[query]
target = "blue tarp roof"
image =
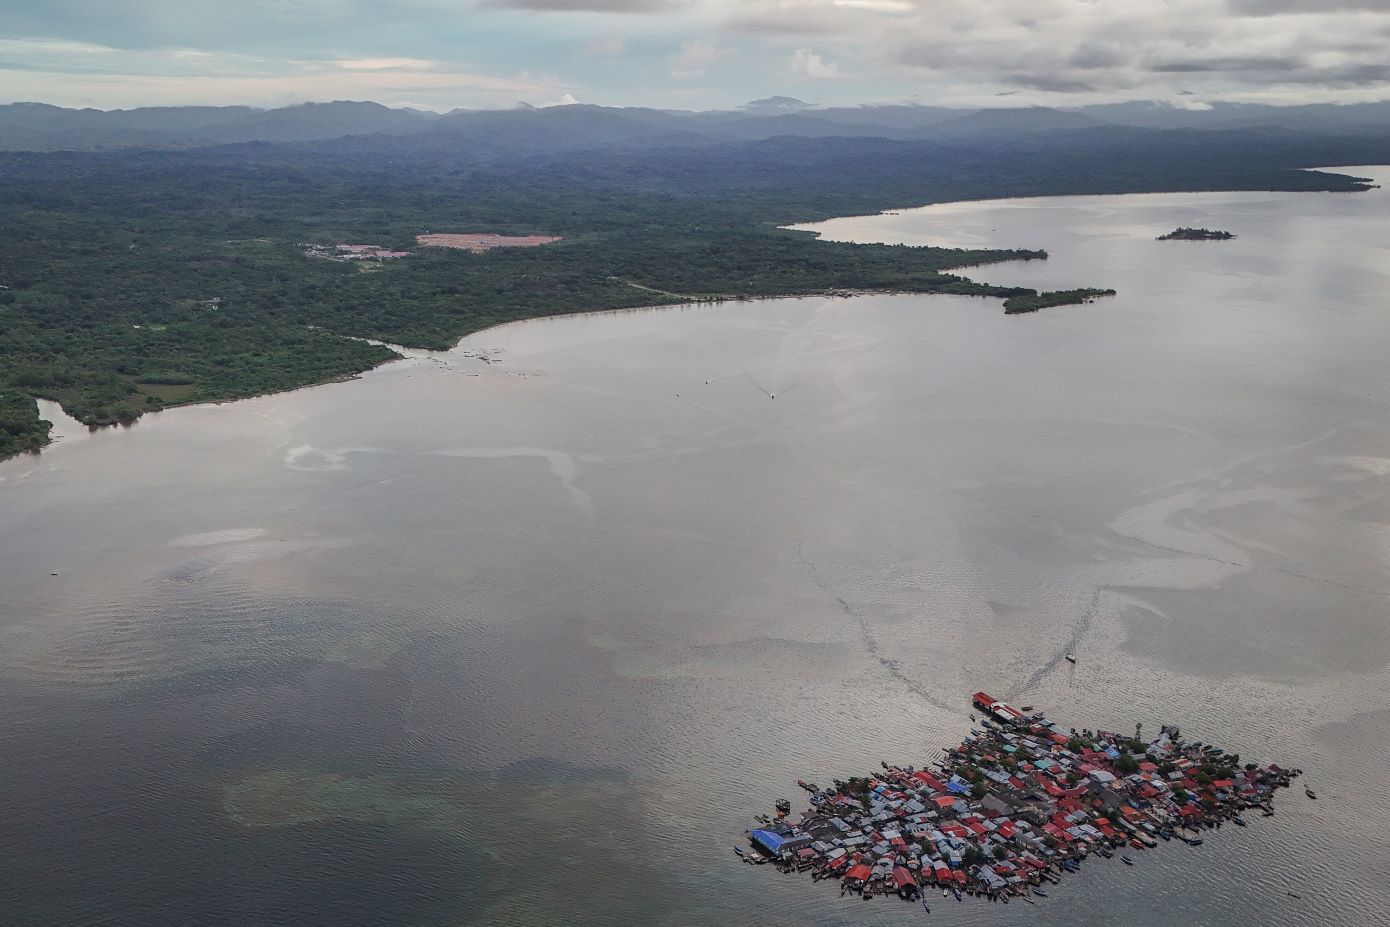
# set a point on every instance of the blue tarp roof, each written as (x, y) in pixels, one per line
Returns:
(769, 841)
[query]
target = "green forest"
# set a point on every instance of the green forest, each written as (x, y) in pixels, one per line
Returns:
(137, 280)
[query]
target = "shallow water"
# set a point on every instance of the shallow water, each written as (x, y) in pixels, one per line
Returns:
(527, 638)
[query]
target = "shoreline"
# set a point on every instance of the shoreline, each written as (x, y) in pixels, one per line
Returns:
(51, 442)
(1369, 184)
(845, 293)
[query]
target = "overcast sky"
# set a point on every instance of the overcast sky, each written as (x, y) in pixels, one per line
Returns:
(440, 54)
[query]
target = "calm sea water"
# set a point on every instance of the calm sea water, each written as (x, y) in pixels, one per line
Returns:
(527, 637)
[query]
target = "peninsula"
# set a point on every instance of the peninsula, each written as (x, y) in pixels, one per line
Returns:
(1019, 802)
(1032, 302)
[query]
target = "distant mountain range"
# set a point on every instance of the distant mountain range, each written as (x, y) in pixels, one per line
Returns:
(41, 127)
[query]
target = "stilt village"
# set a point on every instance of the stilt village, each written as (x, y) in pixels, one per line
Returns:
(1019, 803)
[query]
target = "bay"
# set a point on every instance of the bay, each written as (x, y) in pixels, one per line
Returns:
(525, 632)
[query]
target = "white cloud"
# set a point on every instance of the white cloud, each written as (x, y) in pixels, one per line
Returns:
(806, 63)
(385, 64)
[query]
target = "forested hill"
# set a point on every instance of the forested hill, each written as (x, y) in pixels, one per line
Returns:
(137, 278)
(39, 127)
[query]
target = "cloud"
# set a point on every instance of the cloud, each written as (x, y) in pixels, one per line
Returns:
(87, 74)
(878, 6)
(693, 58)
(1277, 7)
(1058, 52)
(1207, 65)
(806, 63)
(384, 64)
(1092, 50)
(586, 6)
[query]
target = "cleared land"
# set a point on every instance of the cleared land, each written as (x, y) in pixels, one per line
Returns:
(478, 243)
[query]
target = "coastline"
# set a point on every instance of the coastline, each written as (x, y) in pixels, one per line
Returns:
(1367, 184)
(676, 300)
(407, 352)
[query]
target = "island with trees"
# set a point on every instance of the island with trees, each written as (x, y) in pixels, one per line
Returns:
(1187, 234)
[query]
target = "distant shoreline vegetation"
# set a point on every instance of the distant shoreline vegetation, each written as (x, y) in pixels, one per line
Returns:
(1186, 234)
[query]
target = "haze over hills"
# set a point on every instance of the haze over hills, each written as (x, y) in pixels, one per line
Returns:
(41, 127)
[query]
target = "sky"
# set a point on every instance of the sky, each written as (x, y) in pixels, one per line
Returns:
(691, 54)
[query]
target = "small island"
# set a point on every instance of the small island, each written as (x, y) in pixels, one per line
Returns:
(1186, 234)
(1016, 806)
(1032, 302)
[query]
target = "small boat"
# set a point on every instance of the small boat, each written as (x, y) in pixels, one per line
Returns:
(1267, 813)
(1293, 894)
(738, 851)
(1126, 860)
(1071, 658)
(926, 907)
(1237, 820)
(1309, 793)
(957, 892)
(1040, 893)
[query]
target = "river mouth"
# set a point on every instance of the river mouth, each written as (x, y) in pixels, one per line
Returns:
(535, 635)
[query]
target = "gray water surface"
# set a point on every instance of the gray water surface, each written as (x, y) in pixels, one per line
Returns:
(525, 632)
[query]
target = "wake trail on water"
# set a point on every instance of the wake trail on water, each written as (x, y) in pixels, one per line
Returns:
(870, 643)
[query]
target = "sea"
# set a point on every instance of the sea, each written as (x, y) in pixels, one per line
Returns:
(526, 632)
